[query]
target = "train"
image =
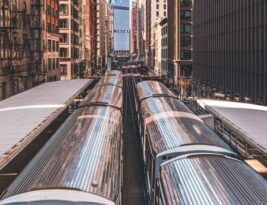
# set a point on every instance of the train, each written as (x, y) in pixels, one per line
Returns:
(82, 162)
(185, 162)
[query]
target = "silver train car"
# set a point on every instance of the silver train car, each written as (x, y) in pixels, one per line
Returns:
(168, 130)
(209, 179)
(82, 162)
(111, 77)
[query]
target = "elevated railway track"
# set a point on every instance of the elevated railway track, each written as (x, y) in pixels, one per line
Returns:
(133, 192)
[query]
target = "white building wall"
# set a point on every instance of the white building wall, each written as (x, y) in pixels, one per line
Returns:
(158, 12)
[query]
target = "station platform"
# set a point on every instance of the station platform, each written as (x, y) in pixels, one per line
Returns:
(27, 120)
(243, 125)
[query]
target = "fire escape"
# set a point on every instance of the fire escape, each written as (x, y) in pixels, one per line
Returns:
(11, 50)
(36, 46)
(21, 50)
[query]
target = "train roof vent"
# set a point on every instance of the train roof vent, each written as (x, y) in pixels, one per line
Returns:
(95, 183)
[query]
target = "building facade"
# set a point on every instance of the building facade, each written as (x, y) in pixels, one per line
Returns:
(86, 37)
(133, 29)
(93, 34)
(109, 32)
(140, 29)
(27, 29)
(69, 28)
(147, 29)
(158, 11)
(100, 33)
(180, 45)
(51, 38)
(230, 56)
(157, 37)
(121, 9)
(111, 27)
(164, 49)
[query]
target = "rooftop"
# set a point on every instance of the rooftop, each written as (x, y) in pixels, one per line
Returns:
(247, 119)
(24, 116)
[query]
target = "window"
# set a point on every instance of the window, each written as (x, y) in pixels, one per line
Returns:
(53, 46)
(2, 45)
(53, 64)
(186, 2)
(49, 45)
(64, 38)
(57, 63)
(49, 64)
(63, 23)
(48, 10)
(186, 28)
(63, 52)
(186, 14)
(186, 41)
(16, 86)
(57, 46)
(4, 90)
(63, 9)
(186, 55)
(63, 69)
(186, 71)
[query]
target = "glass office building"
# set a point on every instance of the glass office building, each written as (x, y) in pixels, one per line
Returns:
(121, 25)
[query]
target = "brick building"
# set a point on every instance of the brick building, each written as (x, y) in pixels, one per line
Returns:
(69, 27)
(25, 28)
(51, 39)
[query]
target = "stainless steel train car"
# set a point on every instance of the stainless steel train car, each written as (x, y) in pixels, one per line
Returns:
(209, 179)
(111, 77)
(169, 129)
(113, 72)
(82, 162)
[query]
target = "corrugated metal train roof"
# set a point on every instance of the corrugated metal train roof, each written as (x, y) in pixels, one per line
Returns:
(84, 154)
(111, 80)
(171, 124)
(148, 89)
(213, 180)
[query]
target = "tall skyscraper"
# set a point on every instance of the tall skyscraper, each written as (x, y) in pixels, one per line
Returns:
(121, 25)
(133, 27)
(140, 29)
(230, 56)
(180, 44)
